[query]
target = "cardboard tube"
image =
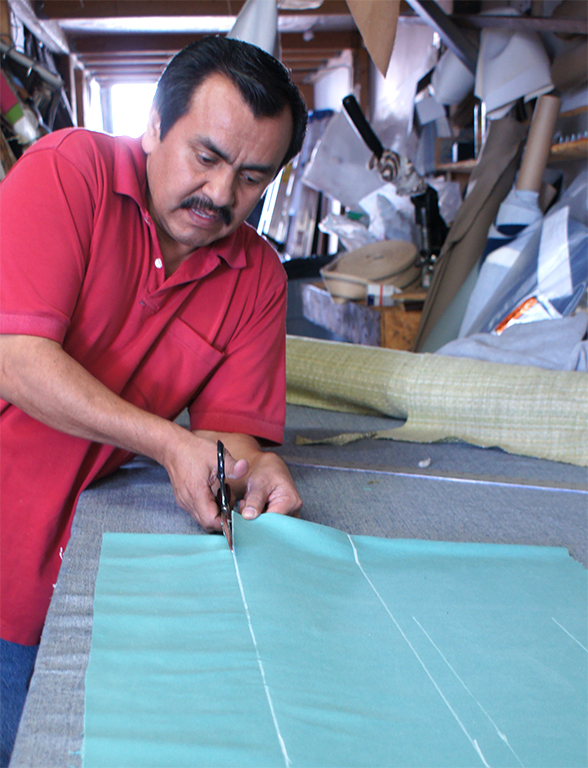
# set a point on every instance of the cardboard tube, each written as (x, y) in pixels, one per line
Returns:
(538, 143)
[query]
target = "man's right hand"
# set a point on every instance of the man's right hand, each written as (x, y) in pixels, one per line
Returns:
(192, 467)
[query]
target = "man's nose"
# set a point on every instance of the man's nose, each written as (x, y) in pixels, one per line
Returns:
(220, 186)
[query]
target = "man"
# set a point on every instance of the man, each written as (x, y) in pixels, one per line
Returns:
(131, 289)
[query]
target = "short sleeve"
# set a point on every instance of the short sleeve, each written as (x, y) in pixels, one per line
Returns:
(46, 213)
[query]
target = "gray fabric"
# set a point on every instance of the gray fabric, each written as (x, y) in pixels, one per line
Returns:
(370, 487)
(438, 509)
(555, 344)
(446, 459)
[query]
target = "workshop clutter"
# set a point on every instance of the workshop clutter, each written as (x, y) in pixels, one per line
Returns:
(390, 263)
(544, 270)
(495, 250)
(33, 101)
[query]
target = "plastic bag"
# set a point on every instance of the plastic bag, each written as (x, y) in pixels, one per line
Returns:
(449, 196)
(391, 215)
(548, 278)
(352, 234)
(518, 271)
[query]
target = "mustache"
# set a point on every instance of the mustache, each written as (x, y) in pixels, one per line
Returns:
(205, 204)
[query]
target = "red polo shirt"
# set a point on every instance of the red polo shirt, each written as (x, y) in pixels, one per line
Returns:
(81, 264)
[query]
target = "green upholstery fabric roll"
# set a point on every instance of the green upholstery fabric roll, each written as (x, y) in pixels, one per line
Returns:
(521, 409)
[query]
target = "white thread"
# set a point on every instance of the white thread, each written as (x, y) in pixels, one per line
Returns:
(570, 635)
(260, 664)
(496, 728)
(472, 741)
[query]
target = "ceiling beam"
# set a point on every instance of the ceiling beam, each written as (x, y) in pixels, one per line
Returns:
(96, 9)
(570, 26)
(109, 43)
(94, 65)
(48, 32)
(128, 72)
(119, 58)
(128, 43)
(147, 57)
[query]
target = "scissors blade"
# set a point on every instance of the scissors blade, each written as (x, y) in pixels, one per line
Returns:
(227, 529)
(223, 496)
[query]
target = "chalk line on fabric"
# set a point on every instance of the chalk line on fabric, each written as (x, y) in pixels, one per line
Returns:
(260, 664)
(495, 726)
(472, 741)
(570, 634)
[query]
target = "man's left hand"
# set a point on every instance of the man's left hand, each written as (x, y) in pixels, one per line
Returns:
(268, 485)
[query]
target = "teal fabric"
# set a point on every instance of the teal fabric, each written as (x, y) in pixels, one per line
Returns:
(314, 648)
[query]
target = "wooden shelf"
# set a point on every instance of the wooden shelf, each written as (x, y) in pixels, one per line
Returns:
(570, 150)
(463, 166)
(567, 150)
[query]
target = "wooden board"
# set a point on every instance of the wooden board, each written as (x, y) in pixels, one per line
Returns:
(398, 326)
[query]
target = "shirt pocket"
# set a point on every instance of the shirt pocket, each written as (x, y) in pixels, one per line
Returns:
(172, 371)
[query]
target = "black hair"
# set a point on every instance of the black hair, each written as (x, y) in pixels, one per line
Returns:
(262, 80)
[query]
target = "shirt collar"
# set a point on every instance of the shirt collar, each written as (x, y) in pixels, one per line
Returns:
(231, 249)
(130, 174)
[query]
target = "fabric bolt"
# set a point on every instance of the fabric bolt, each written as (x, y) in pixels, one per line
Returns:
(161, 344)
(521, 409)
(311, 647)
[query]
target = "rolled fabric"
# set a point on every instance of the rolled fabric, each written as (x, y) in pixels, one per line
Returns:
(521, 409)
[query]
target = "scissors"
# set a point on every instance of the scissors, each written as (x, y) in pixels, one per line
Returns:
(223, 496)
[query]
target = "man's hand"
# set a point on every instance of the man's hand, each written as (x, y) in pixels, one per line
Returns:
(270, 488)
(265, 486)
(192, 467)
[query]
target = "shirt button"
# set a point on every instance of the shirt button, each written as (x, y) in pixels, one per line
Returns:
(158, 263)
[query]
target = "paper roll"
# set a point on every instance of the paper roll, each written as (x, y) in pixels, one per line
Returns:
(538, 143)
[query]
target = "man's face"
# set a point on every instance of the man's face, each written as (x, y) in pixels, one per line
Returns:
(212, 167)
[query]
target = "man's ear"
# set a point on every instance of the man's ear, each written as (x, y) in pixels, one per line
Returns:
(150, 138)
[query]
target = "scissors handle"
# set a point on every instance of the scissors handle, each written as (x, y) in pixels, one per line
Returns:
(223, 494)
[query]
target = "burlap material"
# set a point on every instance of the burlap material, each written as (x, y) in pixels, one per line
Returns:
(521, 409)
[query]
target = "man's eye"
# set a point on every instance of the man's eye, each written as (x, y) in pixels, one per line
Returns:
(253, 180)
(206, 159)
